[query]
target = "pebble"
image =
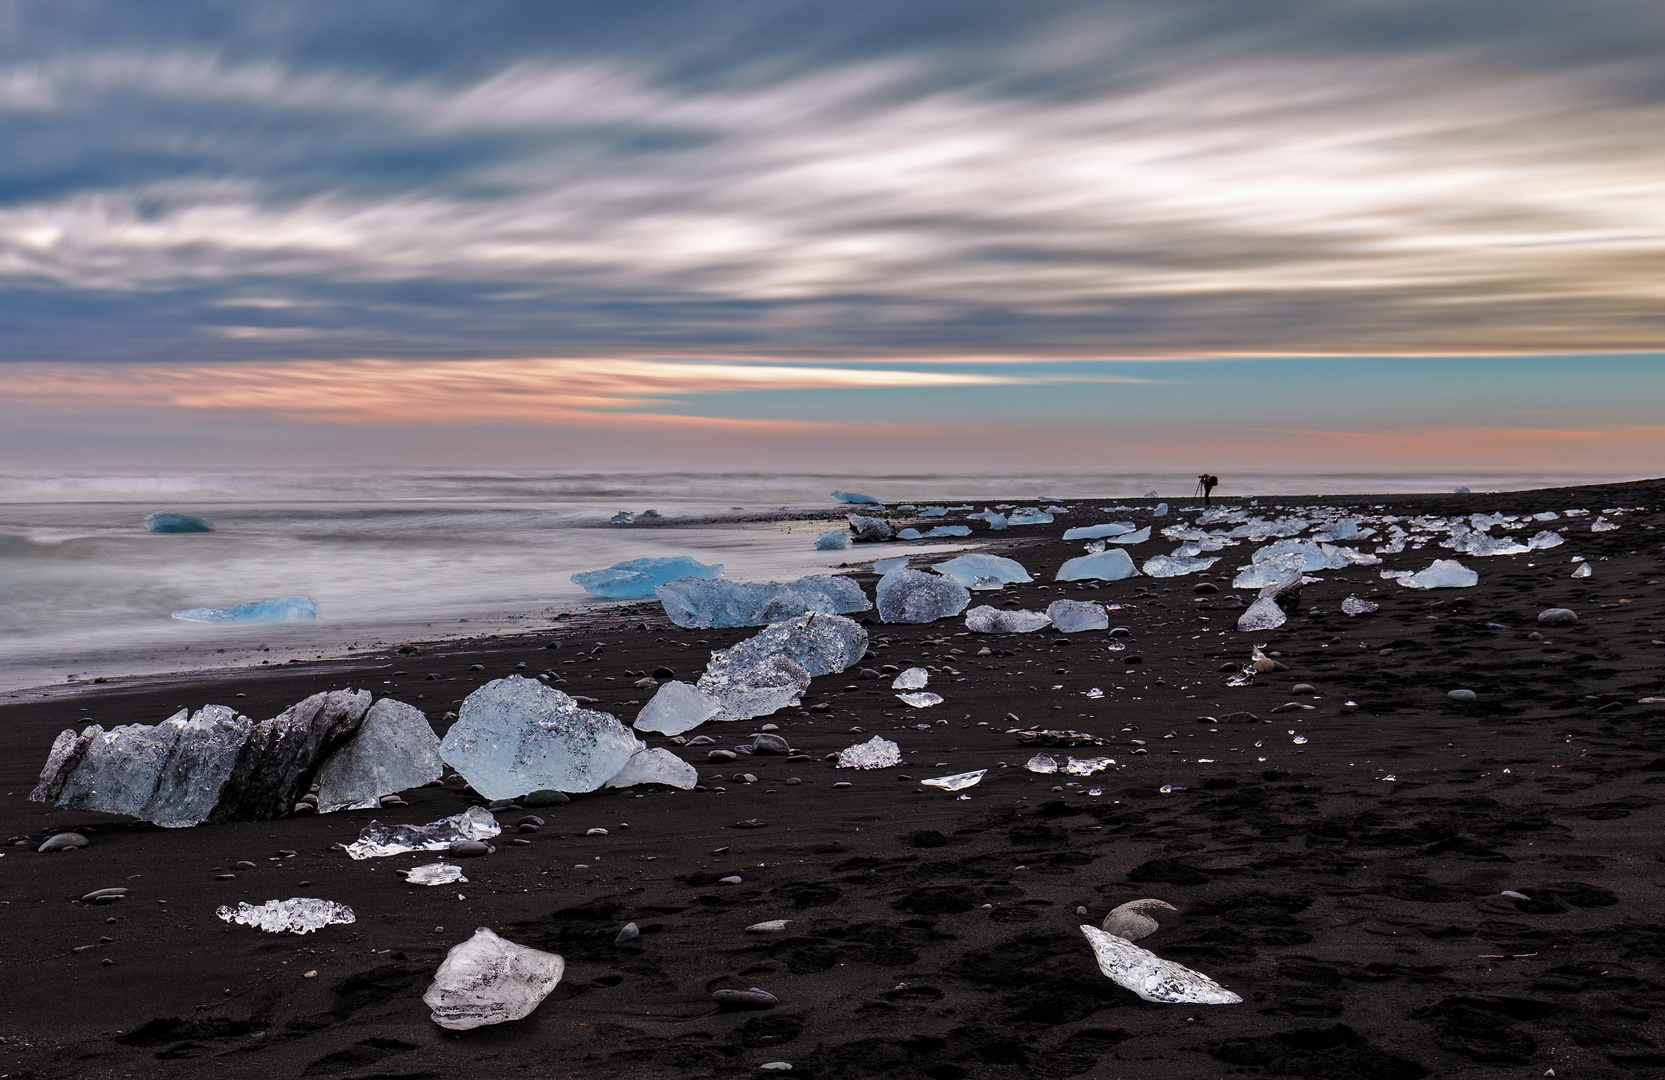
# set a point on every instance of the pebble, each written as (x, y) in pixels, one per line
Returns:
(768, 743)
(792, 781)
(732, 879)
(630, 932)
(1301, 689)
(1464, 696)
(773, 926)
(393, 800)
(701, 740)
(225, 877)
(745, 999)
(750, 823)
(769, 727)
(1240, 718)
(1207, 588)
(530, 819)
(662, 672)
(545, 797)
(783, 1066)
(476, 667)
(1557, 616)
(867, 673)
(842, 784)
(468, 849)
(528, 828)
(244, 865)
(104, 896)
(1120, 631)
(820, 706)
(64, 841)
(721, 755)
(596, 832)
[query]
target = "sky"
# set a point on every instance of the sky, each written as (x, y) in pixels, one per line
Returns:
(1190, 234)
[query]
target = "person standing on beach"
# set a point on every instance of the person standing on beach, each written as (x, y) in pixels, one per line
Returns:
(1207, 481)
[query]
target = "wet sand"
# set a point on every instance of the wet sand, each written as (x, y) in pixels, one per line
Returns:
(1348, 887)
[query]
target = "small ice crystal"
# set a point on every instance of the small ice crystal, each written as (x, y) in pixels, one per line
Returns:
(1088, 766)
(957, 782)
(914, 678)
(1041, 763)
(875, 753)
(435, 873)
(376, 839)
(921, 700)
(1354, 606)
(297, 915)
(1583, 570)
(993, 620)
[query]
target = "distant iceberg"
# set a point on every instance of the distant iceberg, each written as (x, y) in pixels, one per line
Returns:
(162, 522)
(635, 579)
(852, 497)
(278, 609)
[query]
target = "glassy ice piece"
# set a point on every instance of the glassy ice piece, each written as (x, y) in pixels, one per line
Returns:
(986, 584)
(852, 497)
(1150, 494)
(677, 707)
(516, 735)
(1098, 532)
(163, 522)
(923, 699)
(623, 517)
(885, 566)
(1095, 693)
(394, 749)
(1102, 566)
(634, 579)
(1276, 569)
(1028, 515)
(655, 766)
(297, 915)
(376, 840)
(837, 540)
(1442, 574)
(909, 534)
(724, 603)
(751, 686)
(1545, 539)
(957, 782)
(1547, 515)
(913, 596)
(1150, 976)
(966, 569)
(1138, 536)
(487, 980)
(950, 530)
(1354, 606)
(1041, 763)
(996, 521)
(993, 620)
(1263, 614)
(1088, 766)
(1096, 546)
(1601, 524)
(1175, 566)
(1583, 570)
(875, 753)
(279, 609)
(435, 873)
(870, 529)
(1160, 511)
(914, 678)
(934, 511)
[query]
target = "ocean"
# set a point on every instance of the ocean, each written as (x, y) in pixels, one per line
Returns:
(391, 556)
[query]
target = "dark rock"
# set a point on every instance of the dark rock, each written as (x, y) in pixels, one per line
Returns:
(545, 798)
(662, 673)
(721, 755)
(769, 744)
(468, 849)
(1240, 718)
(744, 999)
(867, 673)
(64, 841)
(1206, 588)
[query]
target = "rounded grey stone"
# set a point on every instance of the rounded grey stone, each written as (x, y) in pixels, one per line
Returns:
(1464, 696)
(745, 999)
(545, 798)
(1557, 616)
(468, 849)
(64, 841)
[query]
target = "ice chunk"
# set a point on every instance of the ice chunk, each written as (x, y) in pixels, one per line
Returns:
(1472, 542)
(852, 497)
(1138, 536)
(376, 840)
(1175, 566)
(163, 522)
(1041, 763)
(957, 782)
(1098, 532)
(1263, 614)
(837, 540)
(751, 685)
(966, 569)
(1088, 766)
(921, 700)
(297, 915)
(434, 873)
(914, 678)
(677, 707)
(885, 566)
(1275, 570)
(870, 529)
(722, 603)
(1150, 976)
(875, 753)
(1160, 511)
(910, 534)
(996, 521)
(1354, 606)
(623, 517)
(993, 620)
(934, 511)
(279, 609)
(1150, 494)
(1545, 539)
(487, 980)
(655, 766)
(516, 735)
(912, 596)
(1583, 570)
(394, 749)
(950, 530)
(635, 578)
(1442, 574)
(1601, 524)
(818, 644)
(1028, 515)
(1102, 566)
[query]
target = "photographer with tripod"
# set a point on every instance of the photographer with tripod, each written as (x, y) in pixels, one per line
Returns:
(1205, 486)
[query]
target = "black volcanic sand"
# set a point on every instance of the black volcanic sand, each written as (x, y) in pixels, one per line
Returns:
(1358, 915)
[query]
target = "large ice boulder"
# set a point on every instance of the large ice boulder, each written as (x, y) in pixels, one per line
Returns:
(677, 707)
(487, 980)
(394, 749)
(722, 603)
(913, 596)
(1074, 616)
(977, 566)
(993, 620)
(516, 735)
(163, 522)
(279, 609)
(1099, 566)
(634, 579)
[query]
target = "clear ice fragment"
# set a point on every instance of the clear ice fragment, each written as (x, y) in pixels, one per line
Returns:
(1150, 976)
(993, 620)
(1138, 536)
(923, 699)
(967, 569)
(914, 678)
(487, 980)
(913, 596)
(1098, 532)
(1583, 570)
(394, 749)
(769, 670)
(1442, 574)
(957, 782)
(875, 753)
(1029, 515)
(1545, 539)
(1601, 524)
(1263, 614)
(1102, 566)
(1041, 763)
(677, 707)
(1075, 616)
(690, 602)
(277, 610)
(996, 521)
(1354, 606)
(885, 566)
(635, 578)
(435, 873)
(297, 915)
(376, 840)
(1175, 566)
(516, 735)
(1088, 766)
(655, 766)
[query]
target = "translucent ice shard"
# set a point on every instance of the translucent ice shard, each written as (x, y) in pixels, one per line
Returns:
(1273, 570)
(1175, 566)
(1103, 566)
(435, 873)
(276, 610)
(875, 753)
(910, 534)
(487, 980)
(1074, 616)
(870, 529)
(923, 699)
(1150, 976)
(635, 578)
(1545, 539)
(297, 915)
(1354, 606)
(993, 620)
(1442, 574)
(1029, 515)
(655, 766)
(376, 840)
(966, 569)
(1601, 524)
(1160, 511)
(1041, 763)
(516, 735)
(753, 686)
(1138, 536)
(885, 566)
(163, 522)
(914, 678)
(852, 497)
(957, 782)
(1263, 614)
(996, 521)
(1098, 532)
(1088, 766)
(677, 707)
(950, 530)
(837, 540)
(721, 603)
(912, 596)
(394, 749)
(1583, 570)
(772, 669)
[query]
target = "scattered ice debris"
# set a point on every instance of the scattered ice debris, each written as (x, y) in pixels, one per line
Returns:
(836, 540)
(1267, 612)
(1160, 511)
(1175, 566)
(1275, 569)
(297, 915)
(996, 521)
(1055, 737)
(853, 497)
(1150, 976)
(1029, 515)
(1354, 606)
(957, 782)
(1133, 920)
(635, 578)
(277, 610)
(1095, 693)
(1442, 574)
(977, 566)
(875, 753)
(623, 517)
(487, 980)
(516, 735)
(1088, 766)
(1582, 571)
(993, 620)
(394, 749)
(913, 596)
(870, 529)
(376, 840)
(677, 707)
(1138, 536)
(1098, 532)
(655, 766)
(923, 699)
(1075, 616)
(690, 602)
(1041, 763)
(435, 873)
(914, 678)
(885, 566)
(1102, 566)
(164, 522)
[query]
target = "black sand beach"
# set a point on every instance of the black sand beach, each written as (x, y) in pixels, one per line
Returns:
(1348, 887)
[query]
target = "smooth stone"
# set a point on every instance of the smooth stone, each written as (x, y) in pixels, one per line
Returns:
(792, 781)
(244, 865)
(468, 849)
(745, 999)
(225, 877)
(701, 740)
(1206, 588)
(630, 932)
(721, 755)
(750, 823)
(770, 744)
(662, 673)
(530, 819)
(104, 896)
(1303, 689)
(843, 784)
(596, 832)
(64, 841)
(1463, 696)
(867, 673)
(773, 926)
(545, 798)
(1557, 616)
(732, 879)
(1240, 718)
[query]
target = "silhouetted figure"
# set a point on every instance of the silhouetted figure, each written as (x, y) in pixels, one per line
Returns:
(1207, 482)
